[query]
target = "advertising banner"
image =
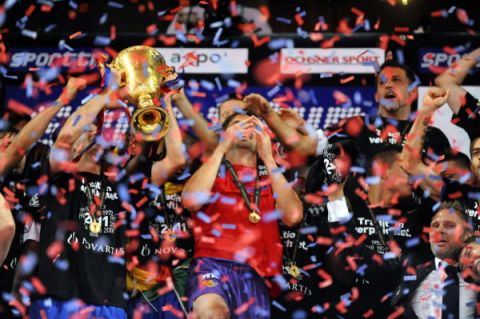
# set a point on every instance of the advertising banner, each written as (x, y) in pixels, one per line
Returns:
(207, 61)
(364, 60)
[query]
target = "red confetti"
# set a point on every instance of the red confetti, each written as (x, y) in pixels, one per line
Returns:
(346, 80)
(142, 201)
(113, 32)
(75, 35)
(30, 10)
(299, 19)
(401, 29)
(397, 313)
(327, 279)
(438, 13)
(18, 107)
(397, 39)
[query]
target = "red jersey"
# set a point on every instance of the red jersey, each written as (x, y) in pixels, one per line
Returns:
(223, 230)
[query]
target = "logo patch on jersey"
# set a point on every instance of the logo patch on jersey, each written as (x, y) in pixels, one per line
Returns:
(209, 280)
(34, 201)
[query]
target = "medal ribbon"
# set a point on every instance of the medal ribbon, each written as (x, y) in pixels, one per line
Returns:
(241, 187)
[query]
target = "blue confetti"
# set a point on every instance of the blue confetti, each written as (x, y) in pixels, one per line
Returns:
(373, 180)
(413, 242)
(271, 216)
(101, 41)
(204, 217)
(273, 91)
(103, 18)
(29, 33)
(299, 314)
(284, 20)
(414, 84)
(218, 83)
(410, 278)
(49, 27)
(400, 56)
(207, 85)
(389, 255)
(215, 232)
(318, 309)
(308, 230)
(277, 305)
(277, 44)
(116, 260)
(73, 5)
(228, 200)
(361, 270)
(302, 33)
(114, 4)
(62, 264)
(233, 83)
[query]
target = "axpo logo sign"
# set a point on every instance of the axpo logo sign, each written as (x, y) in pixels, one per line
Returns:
(432, 58)
(23, 59)
(204, 61)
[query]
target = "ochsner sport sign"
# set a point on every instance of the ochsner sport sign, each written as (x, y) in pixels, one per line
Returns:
(204, 60)
(364, 60)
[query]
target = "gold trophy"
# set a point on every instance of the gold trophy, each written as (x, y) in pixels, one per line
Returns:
(143, 72)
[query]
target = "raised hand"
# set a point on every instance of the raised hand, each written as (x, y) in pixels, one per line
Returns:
(434, 98)
(264, 142)
(74, 85)
(235, 132)
(257, 104)
(291, 117)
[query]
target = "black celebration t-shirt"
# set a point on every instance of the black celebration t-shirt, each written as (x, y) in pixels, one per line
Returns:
(76, 259)
(166, 219)
(371, 134)
(20, 189)
(307, 292)
(403, 227)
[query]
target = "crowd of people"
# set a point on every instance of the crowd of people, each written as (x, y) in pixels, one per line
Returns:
(264, 217)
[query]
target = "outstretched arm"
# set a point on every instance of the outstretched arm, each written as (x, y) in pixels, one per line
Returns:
(7, 229)
(80, 121)
(200, 125)
(304, 144)
(453, 78)
(175, 158)
(411, 156)
(34, 129)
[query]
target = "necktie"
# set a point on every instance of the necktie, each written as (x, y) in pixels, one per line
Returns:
(451, 296)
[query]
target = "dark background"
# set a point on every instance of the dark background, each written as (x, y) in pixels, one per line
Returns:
(416, 22)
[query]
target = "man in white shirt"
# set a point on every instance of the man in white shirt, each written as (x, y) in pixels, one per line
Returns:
(427, 291)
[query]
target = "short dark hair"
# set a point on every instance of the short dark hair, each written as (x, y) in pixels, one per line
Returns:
(394, 64)
(230, 118)
(231, 97)
(459, 158)
(388, 153)
(454, 206)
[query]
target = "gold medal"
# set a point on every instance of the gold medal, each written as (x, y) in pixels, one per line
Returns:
(294, 271)
(170, 235)
(254, 217)
(95, 226)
